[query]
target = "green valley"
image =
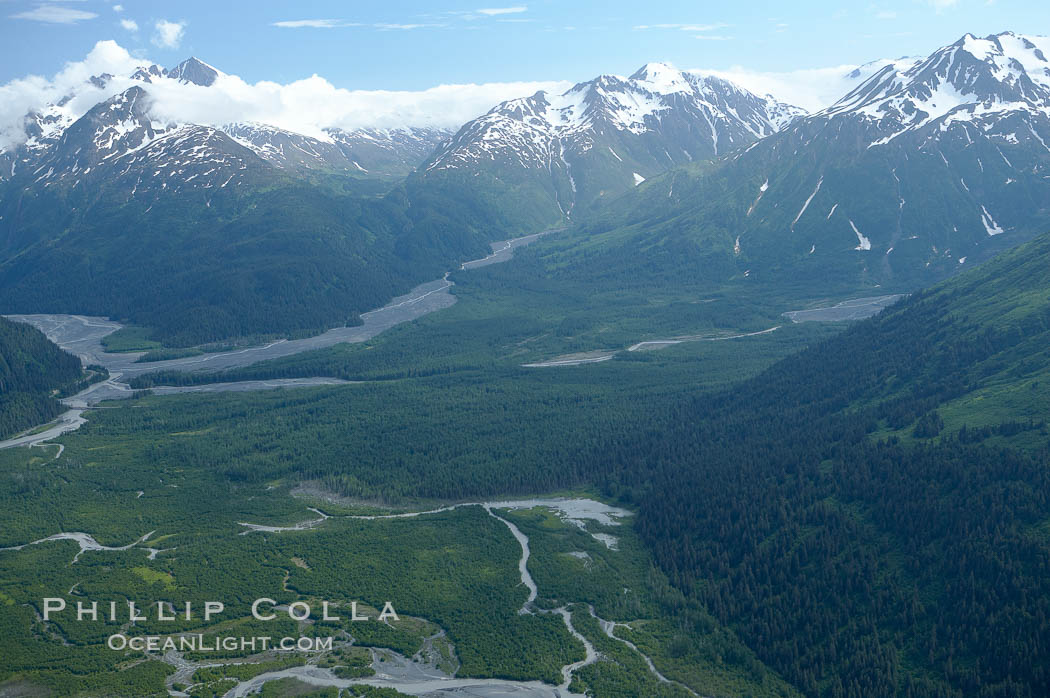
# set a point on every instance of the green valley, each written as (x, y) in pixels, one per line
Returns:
(451, 381)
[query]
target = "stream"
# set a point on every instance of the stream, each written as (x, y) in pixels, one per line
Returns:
(87, 542)
(854, 309)
(430, 681)
(82, 336)
(599, 356)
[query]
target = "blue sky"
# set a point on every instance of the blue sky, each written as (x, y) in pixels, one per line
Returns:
(415, 45)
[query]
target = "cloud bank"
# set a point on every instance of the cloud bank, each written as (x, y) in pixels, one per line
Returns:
(305, 106)
(34, 92)
(812, 89)
(312, 104)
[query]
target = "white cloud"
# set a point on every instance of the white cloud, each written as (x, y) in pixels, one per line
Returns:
(311, 23)
(943, 4)
(53, 14)
(812, 89)
(685, 27)
(492, 11)
(312, 104)
(130, 24)
(20, 96)
(886, 14)
(168, 34)
(304, 106)
(333, 23)
(702, 27)
(118, 8)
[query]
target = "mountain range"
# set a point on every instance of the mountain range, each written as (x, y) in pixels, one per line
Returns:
(602, 137)
(869, 516)
(925, 166)
(126, 123)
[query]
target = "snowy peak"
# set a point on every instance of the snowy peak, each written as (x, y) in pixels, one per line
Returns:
(45, 127)
(970, 80)
(707, 114)
(108, 130)
(863, 73)
(195, 71)
(635, 104)
(1011, 54)
(148, 73)
(661, 78)
(936, 162)
(604, 136)
(118, 143)
(379, 152)
(781, 114)
(191, 71)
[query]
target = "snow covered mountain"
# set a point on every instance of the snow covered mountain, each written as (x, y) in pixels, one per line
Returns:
(195, 71)
(380, 152)
(606, 135)
(123, 130)
(925, 166)
(118, 145)
(974, 81)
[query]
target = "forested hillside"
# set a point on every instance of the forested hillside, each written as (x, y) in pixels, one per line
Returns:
(31, 369)
(271, 257)
(862, 566)
(857, 539)
(190, 233)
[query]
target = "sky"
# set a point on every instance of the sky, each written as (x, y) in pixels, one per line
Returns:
(459, 57)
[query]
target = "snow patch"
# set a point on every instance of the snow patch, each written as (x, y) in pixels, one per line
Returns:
(990, 225)
(863, 242)
(806, 205)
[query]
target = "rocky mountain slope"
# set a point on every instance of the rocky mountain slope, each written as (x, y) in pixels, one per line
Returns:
(922, 168)
(568, 152)
(125, 123)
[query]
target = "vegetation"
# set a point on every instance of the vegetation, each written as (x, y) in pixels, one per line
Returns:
(740, 216)
(130, 339)
(244, 671)
(621, 585)
(274, 255)
(33, 371)
(830, 477)
(867, 517)
(512, 314)
(857, 566)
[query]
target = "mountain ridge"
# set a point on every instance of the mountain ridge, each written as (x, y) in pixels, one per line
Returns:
(603, 136)
(871, 193)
